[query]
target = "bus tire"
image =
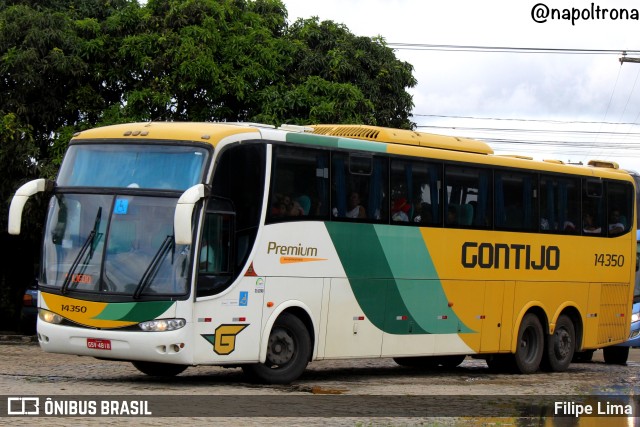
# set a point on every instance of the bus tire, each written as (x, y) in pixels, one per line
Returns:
(560, 346)
(157, 369)
(288, 352)
(530, 345)
(615, 355)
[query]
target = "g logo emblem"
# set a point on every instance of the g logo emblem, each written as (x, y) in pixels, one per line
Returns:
(224, 340)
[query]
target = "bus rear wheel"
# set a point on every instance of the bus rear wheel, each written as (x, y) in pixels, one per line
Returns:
(288, 352)
(560, 346)
(530, 345)
(156, 369)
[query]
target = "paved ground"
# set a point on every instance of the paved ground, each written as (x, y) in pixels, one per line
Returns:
(26, 370)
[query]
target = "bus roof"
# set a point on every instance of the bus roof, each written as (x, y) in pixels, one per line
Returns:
(403, 136)
(175, 131)
(398, 141)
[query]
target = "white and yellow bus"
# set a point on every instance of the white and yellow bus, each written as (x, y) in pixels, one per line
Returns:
(178, 244)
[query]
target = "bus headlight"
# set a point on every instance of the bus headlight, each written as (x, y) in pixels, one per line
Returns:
(161, 325)
(49, 316)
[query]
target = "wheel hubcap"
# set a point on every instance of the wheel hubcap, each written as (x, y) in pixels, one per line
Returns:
(281, 348)
(562, 344)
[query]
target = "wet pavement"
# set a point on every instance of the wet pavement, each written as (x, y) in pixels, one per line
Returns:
(26, 370)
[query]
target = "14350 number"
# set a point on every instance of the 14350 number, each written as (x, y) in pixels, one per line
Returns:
(609, 260)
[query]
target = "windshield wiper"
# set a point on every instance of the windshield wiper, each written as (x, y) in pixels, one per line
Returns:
(152, 268)
(88, 244)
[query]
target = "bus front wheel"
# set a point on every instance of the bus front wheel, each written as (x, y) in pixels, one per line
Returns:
(530, 345)
(560, 346)
(156, 369)
(288, 352)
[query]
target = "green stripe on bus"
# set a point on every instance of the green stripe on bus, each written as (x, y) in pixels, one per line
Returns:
(134, 311)
(417, 279)
(411, 302)
(333, 142)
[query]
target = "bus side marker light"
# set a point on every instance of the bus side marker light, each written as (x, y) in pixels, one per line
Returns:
(270, 304)
(401, 317)
(239, 319)
(450, 304)
(358, 317)
(443, 317)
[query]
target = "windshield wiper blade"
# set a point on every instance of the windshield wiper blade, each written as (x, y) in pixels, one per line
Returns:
(88, 243)
(152, 268)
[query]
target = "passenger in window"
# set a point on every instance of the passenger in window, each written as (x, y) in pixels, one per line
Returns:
(544, 224)
(422, 213)
(292, 207)
(569, 227)
(355, 209)
(305, 203)
(590, 226)
(452, 216)
(278, 207)
(400, 210)
(616, 224)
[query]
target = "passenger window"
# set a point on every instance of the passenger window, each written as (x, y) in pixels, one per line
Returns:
(359, 187)
(215, 259)
(468, 197)
(559, 205)
(516, 201)
(415, 192)
(619, 208)
(299, 184)
(593, 209)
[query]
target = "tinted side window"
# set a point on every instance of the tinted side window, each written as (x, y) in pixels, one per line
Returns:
(359, 187)
(559, 205)
(239, 178)
(516, 201)
(593, 209)
(299, 184)
(619, 207)
(468, 198)
(416, 192)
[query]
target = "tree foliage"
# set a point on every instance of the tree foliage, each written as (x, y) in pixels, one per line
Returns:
(66, 65)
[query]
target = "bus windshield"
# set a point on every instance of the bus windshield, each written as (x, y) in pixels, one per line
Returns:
(133, 166)
(113, 244)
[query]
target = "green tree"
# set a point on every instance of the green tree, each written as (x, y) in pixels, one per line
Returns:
(66, 65)
(337, 77)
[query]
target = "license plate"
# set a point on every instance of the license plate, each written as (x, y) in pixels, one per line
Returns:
(98, 344)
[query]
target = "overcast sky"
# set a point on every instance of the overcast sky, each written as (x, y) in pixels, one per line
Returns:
(586, 102)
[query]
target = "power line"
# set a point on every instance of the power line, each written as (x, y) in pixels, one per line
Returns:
(576, 133)
(514, 119)
(508, 49)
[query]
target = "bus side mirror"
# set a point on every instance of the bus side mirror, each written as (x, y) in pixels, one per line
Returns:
(20, 199)
(184, 212)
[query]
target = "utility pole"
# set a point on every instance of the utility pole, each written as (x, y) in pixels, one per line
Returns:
(624, 59)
